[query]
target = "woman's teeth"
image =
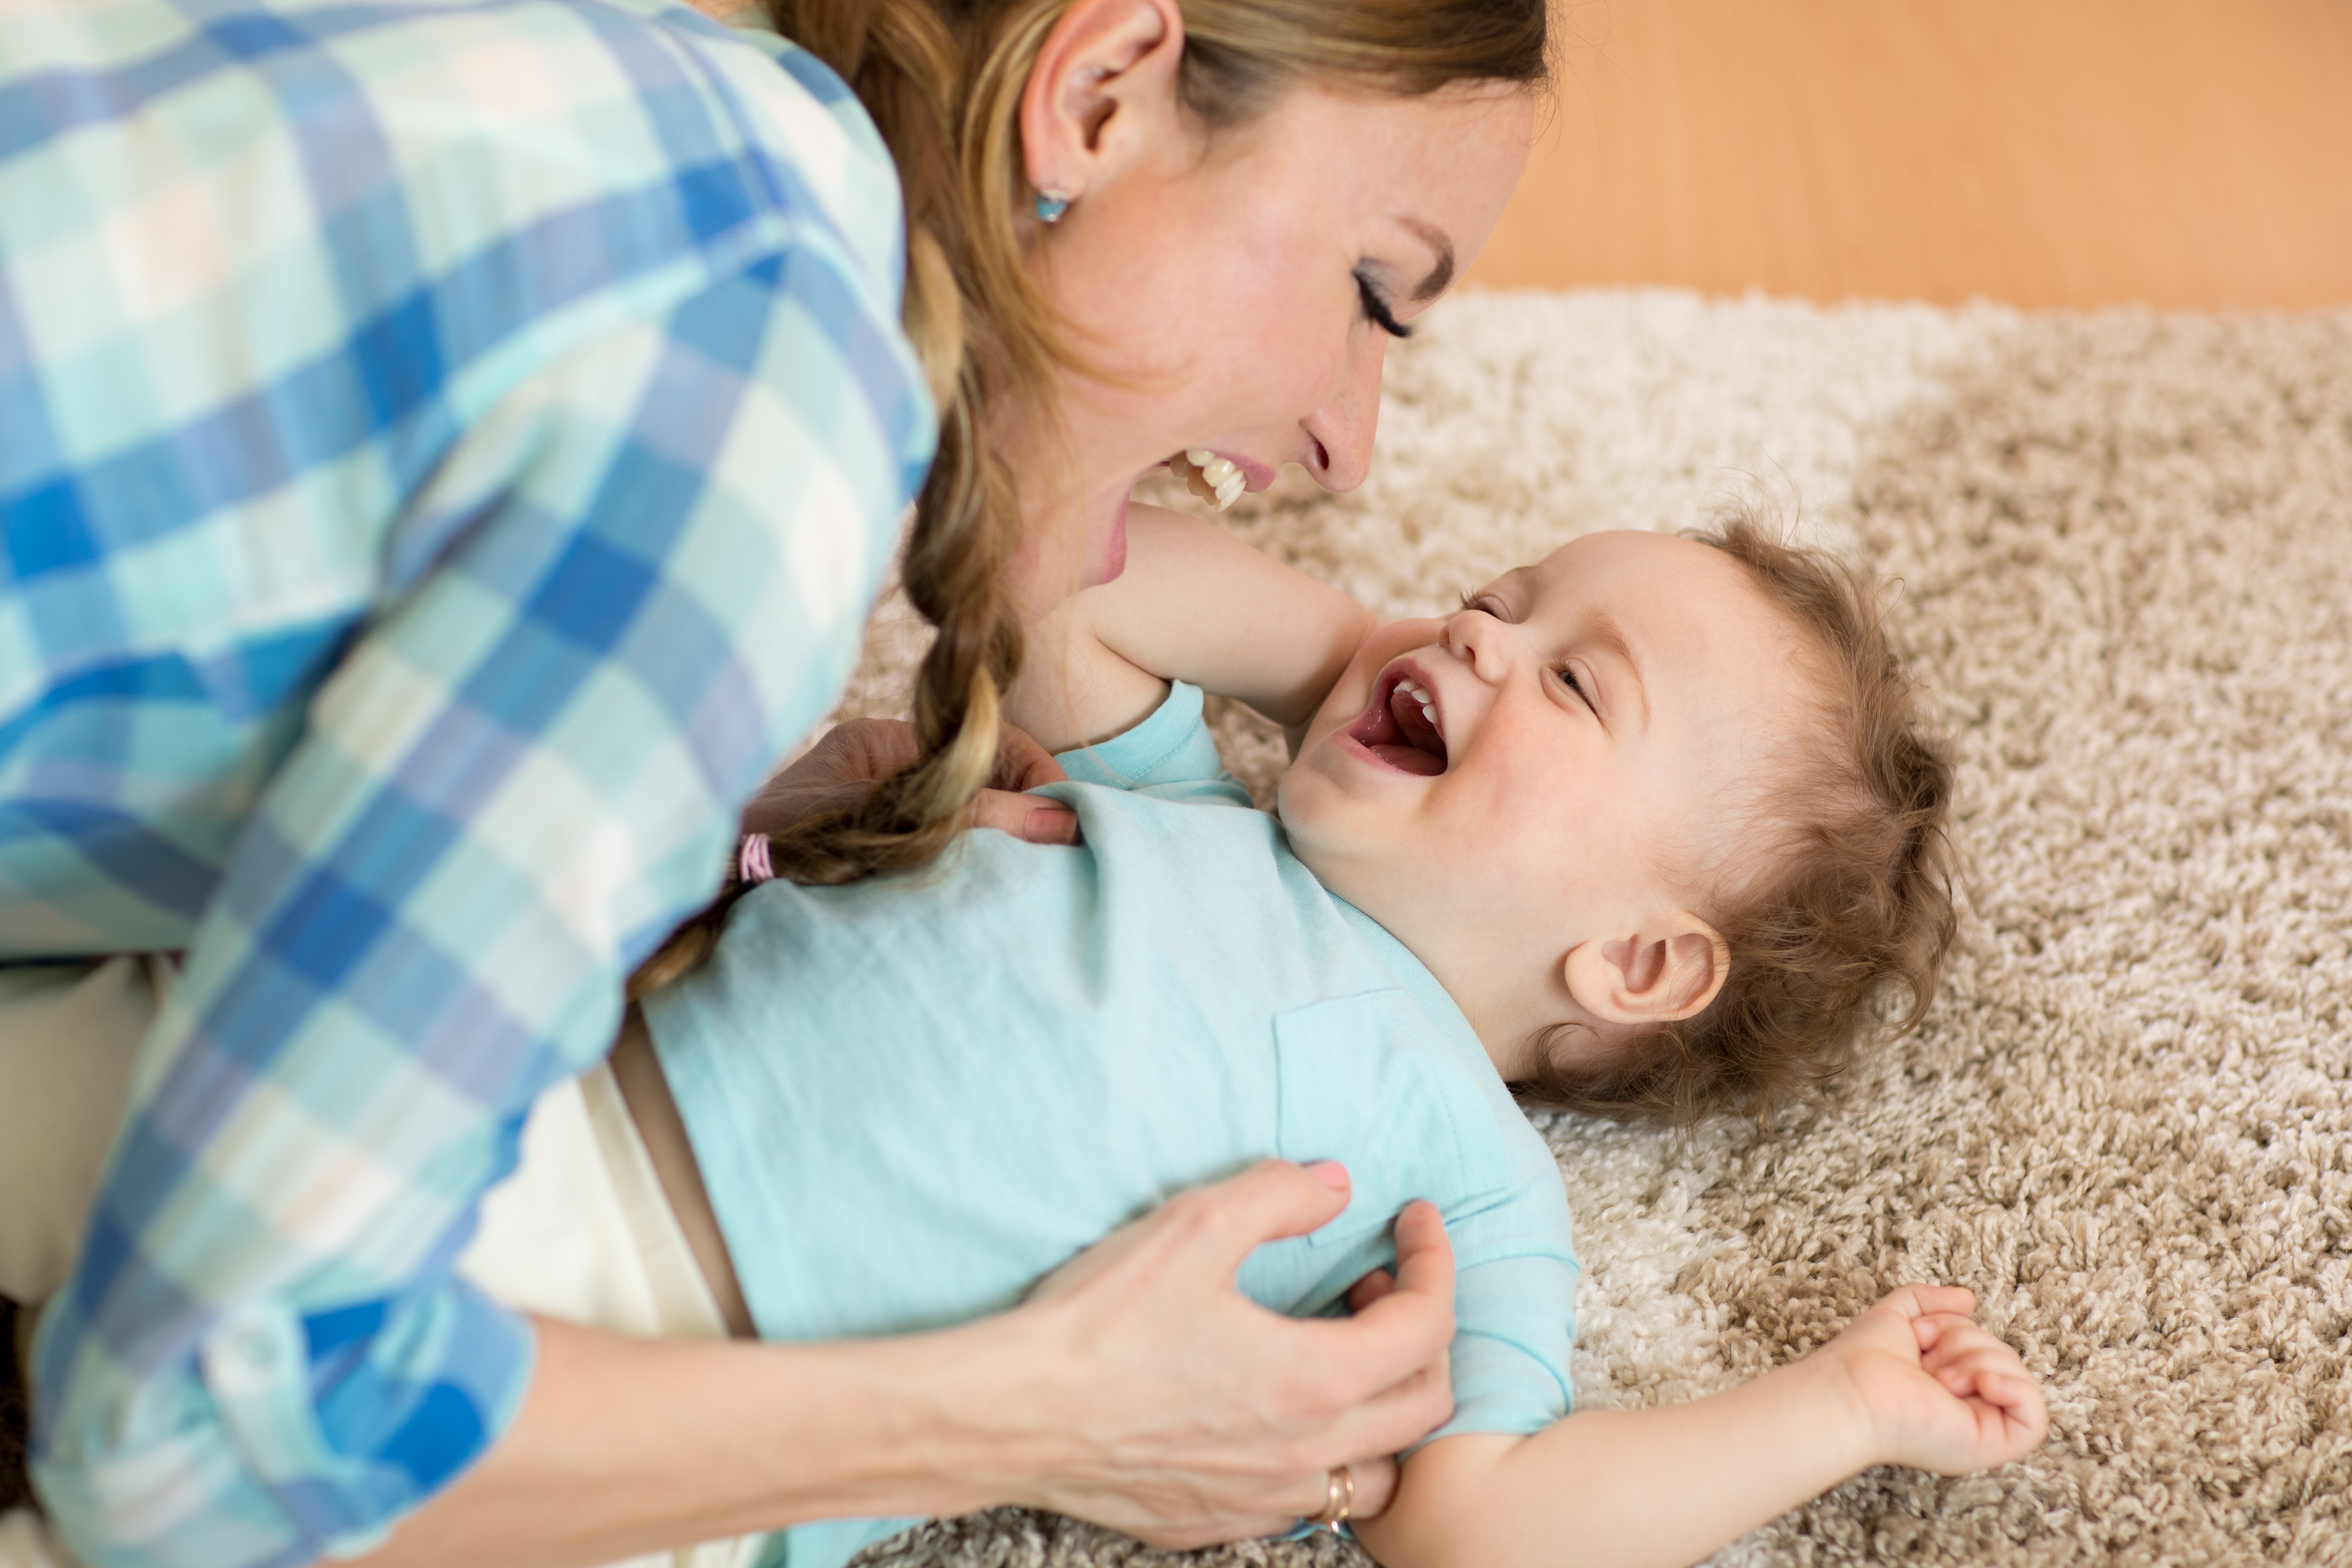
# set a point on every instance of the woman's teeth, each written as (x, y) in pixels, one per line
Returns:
(1210, 477)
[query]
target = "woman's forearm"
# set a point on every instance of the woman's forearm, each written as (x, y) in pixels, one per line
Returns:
(625, 1446)
(1631, 1488)
(1137, 1388)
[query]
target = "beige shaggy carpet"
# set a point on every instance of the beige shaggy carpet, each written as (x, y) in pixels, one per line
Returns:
(2124, 545)
(2125, 550)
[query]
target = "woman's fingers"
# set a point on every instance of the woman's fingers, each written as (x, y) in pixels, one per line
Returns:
(1026, 816)
(1425, 1258)
(1408, 1326)
(850, 758)
(1271, 1201)
(831, 775)
(1401, 1414)
(1197, 1239)
(1370, 1288)
(1020, 762)
(1224, 1411)
(1364, 1486)
(1396, 1344)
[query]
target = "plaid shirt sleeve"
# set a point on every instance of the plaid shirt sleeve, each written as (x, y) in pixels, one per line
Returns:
(631, 578)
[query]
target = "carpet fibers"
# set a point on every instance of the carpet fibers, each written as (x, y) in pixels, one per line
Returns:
(2124, 545)
(2124, 550)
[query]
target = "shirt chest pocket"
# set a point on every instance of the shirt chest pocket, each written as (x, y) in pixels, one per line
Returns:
(1359, 1081)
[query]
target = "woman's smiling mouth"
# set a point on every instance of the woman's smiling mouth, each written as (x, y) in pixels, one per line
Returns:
(1401, 729)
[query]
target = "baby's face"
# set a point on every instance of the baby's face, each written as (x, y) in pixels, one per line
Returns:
(1526, 773)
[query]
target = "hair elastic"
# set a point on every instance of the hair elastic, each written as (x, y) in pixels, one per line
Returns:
(751, 862)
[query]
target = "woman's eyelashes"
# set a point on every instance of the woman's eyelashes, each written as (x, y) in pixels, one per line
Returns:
(1377, 311)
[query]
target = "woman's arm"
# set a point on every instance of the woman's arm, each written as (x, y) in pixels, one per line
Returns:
(519, 771)
(1137, 1388)
(1194, 603)
(1911, 1382)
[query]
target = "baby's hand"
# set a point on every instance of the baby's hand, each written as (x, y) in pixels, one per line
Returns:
(1940, 1393)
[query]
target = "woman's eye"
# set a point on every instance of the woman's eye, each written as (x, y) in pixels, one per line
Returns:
(1376, 310)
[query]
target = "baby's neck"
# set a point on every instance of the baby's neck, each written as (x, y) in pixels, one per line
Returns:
(1486, 972)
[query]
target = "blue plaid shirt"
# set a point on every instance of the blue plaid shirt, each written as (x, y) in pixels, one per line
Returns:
(446, 450)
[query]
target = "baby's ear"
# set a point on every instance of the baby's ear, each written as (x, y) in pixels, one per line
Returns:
(1669, 969)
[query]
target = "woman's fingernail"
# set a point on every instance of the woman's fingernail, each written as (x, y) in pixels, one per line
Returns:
(1331, 1173)
(1054, 826)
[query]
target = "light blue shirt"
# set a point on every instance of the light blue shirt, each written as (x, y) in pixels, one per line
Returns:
(914, 1095)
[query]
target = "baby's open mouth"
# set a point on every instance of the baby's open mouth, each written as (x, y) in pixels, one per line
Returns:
(1402, 727)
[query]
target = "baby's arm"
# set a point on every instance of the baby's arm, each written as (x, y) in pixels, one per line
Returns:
(1194, 603)
(1911, 1382)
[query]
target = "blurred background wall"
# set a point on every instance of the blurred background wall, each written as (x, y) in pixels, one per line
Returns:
(2192, 155)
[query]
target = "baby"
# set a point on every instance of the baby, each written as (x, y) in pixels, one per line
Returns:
(1642, 830)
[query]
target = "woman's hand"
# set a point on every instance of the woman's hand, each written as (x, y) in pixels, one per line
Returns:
(1136, 1387)
(1938, 1392)
(1186, 1413)
(850, 758)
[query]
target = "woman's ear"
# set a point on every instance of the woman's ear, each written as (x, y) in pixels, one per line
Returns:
(1108, 68)
(1655, 976)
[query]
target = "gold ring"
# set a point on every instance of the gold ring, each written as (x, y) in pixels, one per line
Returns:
(1338, 1500)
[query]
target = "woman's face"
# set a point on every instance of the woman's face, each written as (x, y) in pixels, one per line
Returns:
(1231, 288)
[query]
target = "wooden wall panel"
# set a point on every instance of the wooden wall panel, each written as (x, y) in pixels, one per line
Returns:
(2182, 154)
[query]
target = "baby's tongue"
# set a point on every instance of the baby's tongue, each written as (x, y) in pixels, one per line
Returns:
(1412, 759)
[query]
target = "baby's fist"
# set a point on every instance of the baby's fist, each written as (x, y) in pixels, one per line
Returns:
(1940, 1393)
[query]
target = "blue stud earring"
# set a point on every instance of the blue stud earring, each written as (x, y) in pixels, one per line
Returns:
(1051, 206)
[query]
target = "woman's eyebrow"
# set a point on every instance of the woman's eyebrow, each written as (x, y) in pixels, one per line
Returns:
(1442, 274)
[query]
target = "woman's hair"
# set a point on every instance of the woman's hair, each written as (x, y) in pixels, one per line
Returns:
(1853, 900)
(942, 80)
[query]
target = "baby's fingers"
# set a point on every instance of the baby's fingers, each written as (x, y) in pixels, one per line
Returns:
(1919, 1302)
(1986, 1375)
(1945, 1340)
(2012, 1417)
(1963, 1374)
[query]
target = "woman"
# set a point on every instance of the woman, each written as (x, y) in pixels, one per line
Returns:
(448, 454)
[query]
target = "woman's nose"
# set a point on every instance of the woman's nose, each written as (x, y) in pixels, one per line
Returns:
(1341, 430)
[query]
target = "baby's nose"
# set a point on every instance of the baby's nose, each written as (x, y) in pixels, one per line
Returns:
(1470, 636)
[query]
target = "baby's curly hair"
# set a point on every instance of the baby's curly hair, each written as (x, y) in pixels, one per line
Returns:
(1856, 906)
